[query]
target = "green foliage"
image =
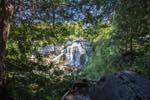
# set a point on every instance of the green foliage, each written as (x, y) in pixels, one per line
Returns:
(27, 39)
(104, 55)
(131, 28)
(123, 44)
(126, 47)
(36, 82)
(130, 23)
(100, 62)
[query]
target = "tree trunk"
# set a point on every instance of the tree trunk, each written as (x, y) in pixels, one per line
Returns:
(7, 9)
(148, 14)
(131, 46)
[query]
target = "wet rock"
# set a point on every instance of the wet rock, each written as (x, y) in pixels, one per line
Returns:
(118, 86)
(77, 53)
(50, 49)
(73, 53)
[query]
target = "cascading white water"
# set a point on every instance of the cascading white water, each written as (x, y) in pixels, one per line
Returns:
(74, 53)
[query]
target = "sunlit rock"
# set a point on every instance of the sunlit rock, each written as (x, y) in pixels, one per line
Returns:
(73, 53)
(77, 53)
(50, 49)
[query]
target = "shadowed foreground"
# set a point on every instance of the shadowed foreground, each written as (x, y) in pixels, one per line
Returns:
(118, 86)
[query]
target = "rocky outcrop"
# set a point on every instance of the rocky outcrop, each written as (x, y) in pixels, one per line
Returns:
(77, 52)
(118, 86)
(50, 49)
(73, 53)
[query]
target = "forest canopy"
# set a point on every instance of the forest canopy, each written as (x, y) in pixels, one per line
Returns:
(119, 31)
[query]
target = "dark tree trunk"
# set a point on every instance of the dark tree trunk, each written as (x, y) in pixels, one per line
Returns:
(148, 15)
(6, 9)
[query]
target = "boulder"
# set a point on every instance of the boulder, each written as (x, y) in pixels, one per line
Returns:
(124, 85)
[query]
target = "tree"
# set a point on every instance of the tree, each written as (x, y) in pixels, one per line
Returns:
(128, 47)
(6, 9)
(131, 25)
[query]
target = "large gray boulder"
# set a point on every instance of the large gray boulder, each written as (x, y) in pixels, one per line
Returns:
(118, 86)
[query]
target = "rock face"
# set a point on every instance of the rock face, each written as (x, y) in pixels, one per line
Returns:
(77, 52)
(50, 49)
(73, 53)
(119, 86)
